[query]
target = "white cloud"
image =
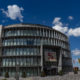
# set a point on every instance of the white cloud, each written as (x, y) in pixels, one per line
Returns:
(76, 60)
(60, 28)
(74, 32)
(14, 12)
(56, 21)
(58, 25)
(70, 17)
(76, 52)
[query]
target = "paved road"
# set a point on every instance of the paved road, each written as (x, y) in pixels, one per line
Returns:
(65, 77)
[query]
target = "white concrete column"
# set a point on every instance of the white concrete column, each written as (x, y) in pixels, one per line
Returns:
(41, 52)
(60, 61)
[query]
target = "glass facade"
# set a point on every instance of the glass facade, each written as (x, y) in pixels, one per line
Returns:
(20, 51)
(29, 61)
(21, 46)
(34, 32)
(29, 71)
(35, 41)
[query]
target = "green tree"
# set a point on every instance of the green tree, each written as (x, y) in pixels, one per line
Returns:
(6, 75)
(43, 74)
(4, 79)
(23, 74)
(60, 72)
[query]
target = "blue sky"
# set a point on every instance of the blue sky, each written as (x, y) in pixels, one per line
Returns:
(62, 15)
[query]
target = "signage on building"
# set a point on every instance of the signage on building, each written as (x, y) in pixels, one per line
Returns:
(50, 56)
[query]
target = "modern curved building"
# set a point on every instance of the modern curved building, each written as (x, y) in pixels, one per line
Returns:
(33, 48)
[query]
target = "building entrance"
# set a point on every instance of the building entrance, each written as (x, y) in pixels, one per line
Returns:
(50, 72)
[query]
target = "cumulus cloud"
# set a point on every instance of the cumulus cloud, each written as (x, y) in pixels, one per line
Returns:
(76, 52)
(14, 12)
(56, 21)
(74, 32)
(58, 25)
(70, 17)
(75, 60)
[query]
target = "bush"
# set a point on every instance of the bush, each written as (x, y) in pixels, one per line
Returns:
(75, 72)
(6, 75)
(43, 74)
(4, 79)
(60, 73)
(24, 75)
